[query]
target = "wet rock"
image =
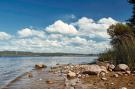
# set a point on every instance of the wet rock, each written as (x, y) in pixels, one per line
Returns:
(29, 75)
(71, 74)
(122, 67)
(49, 82)
(40, 66)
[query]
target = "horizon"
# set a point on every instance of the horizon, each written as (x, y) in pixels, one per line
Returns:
(52, 26)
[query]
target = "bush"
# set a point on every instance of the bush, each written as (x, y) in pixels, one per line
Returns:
(123, 45)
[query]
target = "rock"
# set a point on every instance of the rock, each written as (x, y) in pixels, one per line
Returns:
(112, 83)
(102, 74)
(49, 82)
(94, 69)
(73, 84)
(40, 66)
(122, 67)
(123, 88)
(105, 79)
(71, 88)
(128, 72)
(111, 67)
(120, 73)
(116, 75)
(71, 74)
(29, 75)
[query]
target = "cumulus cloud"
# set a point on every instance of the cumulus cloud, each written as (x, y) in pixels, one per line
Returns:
(95, 29)
(83, 36)
(27, 32)
(61, 27)
(4, 36)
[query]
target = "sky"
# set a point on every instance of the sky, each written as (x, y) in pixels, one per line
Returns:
(71, 26)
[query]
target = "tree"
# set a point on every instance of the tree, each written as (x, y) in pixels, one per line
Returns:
(132, 19)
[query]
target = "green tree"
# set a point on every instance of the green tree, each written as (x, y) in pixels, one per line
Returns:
(132, 19)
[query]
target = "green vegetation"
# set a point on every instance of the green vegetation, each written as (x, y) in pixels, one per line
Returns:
(123, 42)
(123, 45)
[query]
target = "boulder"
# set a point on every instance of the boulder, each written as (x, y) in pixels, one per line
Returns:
(71, 74)
(122, 67)
(40, 66)
(95, 69)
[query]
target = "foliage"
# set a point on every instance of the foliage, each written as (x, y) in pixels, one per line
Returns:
(123, 45)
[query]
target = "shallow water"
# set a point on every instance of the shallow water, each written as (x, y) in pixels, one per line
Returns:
(12, 67)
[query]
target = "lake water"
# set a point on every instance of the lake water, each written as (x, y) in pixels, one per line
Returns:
(12, 67)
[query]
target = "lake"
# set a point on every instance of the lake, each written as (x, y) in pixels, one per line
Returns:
(12, 67)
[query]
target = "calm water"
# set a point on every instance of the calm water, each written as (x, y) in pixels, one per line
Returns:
(12, 67)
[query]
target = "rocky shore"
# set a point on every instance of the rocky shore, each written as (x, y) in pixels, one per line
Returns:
(101, 75)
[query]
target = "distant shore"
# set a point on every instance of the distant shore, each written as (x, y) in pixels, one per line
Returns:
(34, 54)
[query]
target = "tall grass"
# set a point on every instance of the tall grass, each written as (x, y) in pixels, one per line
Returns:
(123, 46)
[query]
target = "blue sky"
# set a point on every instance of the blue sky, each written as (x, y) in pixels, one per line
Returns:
(17, 14)
(71, 26)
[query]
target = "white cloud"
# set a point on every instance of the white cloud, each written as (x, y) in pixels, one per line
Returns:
(83, 36)
(27, 32)
(4, 36)
(93, 28)
(61, 27)
(107, 21)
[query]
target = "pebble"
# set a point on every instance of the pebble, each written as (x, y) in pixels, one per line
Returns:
(116, 75)
(123, 88)
(49, 82)
(104, 78)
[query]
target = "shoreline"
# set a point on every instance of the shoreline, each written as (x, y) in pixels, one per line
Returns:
(56, 78)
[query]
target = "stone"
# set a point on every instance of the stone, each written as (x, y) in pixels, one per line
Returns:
(128, 72)
(102, 74)
(120, 73)
(123, 88)
(105, 79)
(40, 66)
(29, 75)
(122, 67)
(94, 69)
(112, 83)
(49, 82)
(116, 75)
(71, 88)
(71, 74)
(111, 67)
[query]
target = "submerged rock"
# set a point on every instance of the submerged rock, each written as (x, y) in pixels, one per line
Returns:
(29, 75)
